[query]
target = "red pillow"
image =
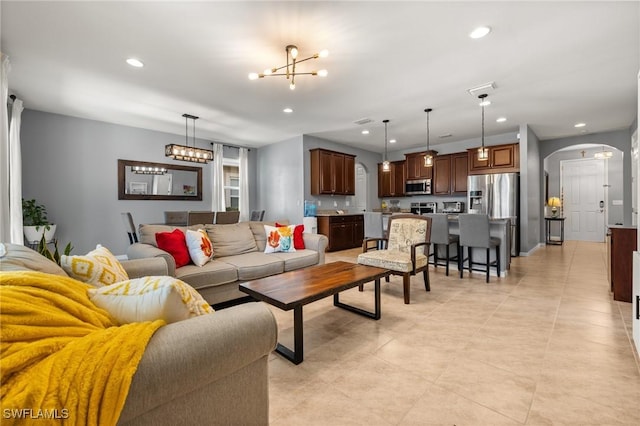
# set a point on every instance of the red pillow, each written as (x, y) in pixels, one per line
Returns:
(298, 241)
(175, 244)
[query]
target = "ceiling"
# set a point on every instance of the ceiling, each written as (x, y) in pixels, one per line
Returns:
(554, 64)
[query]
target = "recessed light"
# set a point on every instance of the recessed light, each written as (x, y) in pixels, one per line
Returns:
(501, 120)
(365, 132)
(392, 141)
(579, 125)
(287, 110)
(135, 62)
(480, 32)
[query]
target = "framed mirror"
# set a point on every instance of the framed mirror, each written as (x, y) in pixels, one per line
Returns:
(141, 180)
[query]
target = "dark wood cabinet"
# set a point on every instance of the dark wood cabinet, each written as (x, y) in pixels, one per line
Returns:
(343, 231)
(502, 159)
(450, 174)
(332, 173)
(392, 183)
(416, 168)
(622, 243)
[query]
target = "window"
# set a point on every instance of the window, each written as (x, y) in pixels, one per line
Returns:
(231, 169)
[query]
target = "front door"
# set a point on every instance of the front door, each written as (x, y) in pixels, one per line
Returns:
(583, 199)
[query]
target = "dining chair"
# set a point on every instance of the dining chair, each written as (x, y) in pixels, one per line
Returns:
(474, 233)
(442, 240)
(256, 215)
(127, 220)
(227, 217)
(200, 217)
(176, 218)
(405, 250)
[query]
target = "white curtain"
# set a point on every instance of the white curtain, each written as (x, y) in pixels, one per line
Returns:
(244, 184)
(5, 161)
(15, 174)
(217, 179)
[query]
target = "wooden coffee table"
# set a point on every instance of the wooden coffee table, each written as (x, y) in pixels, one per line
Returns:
(294, 289)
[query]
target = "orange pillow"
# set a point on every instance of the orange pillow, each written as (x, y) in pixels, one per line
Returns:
(175, 244)
(298, 241)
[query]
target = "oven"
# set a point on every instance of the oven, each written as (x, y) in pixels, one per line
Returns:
(418, 187)
(422, 208)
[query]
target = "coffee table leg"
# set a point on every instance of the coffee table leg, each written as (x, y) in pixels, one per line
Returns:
(375, 315)
(297, 355)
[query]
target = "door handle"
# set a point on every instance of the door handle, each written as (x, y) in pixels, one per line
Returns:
(638, 307)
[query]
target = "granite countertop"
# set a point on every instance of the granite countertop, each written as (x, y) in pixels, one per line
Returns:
(623, 226)
(338, 214)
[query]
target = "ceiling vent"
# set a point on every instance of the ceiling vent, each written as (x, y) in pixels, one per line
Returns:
(363, 121)
(487, 88)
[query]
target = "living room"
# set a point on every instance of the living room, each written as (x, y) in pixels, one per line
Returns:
(87, 117)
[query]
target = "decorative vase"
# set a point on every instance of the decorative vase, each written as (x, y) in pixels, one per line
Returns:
(33, 235)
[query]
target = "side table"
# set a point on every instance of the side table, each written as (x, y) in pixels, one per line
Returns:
(547, 227)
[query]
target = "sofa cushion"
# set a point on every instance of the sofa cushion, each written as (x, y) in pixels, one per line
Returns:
(99, 267)
(257, 228)
(232, 239)
(150, 299)
(147, 233)
(16, 257)
(298, 241)
(297, 260)
(213, 273)
(199, 245)
(174, 243)
(279, 239)
(252, 266)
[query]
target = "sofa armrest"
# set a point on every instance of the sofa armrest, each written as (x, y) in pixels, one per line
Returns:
(317, 242)
(189, 355)
(144, 251)
(137, 268)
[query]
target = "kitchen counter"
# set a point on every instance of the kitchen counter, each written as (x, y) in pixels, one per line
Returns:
(338, 214)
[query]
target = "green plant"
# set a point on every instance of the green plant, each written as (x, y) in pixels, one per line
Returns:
(44, 250)
(34, 214)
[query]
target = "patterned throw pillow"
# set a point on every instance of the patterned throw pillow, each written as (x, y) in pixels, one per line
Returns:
(150, 299)
(279, 239)
(99, 267)
(175, 244)
(199, 245)
(298, 240)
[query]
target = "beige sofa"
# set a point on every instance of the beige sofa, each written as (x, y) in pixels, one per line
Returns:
(210, 369)
(238, 257)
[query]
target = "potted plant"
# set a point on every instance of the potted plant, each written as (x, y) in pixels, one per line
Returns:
(35, 223)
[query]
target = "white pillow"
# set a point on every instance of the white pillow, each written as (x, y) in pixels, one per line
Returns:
(99, 267)
(279, 239)
(150, 299)
(199, 245)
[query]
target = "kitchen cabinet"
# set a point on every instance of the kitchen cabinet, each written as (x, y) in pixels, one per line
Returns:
(622, 243)
(416, 168)
(502, 159)
(450, 174)
(343, 231)
(392, 183)
(332, 173)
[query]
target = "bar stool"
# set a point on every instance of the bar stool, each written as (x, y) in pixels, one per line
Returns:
(440, 236)
(474, 233)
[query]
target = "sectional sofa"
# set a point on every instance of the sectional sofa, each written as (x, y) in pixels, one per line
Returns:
(238, 257)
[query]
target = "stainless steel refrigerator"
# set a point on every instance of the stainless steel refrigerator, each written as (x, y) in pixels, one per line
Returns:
(497, 195)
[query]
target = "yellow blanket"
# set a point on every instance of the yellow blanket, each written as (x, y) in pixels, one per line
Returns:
(62, 359)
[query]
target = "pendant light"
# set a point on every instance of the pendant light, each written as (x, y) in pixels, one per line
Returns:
(483, 153)
(186, 152)
(428, 158)
(385, 164)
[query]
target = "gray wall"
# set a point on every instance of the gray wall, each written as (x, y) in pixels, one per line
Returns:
(70, 165)
(280, 189)
(530, 193)
(621, 140)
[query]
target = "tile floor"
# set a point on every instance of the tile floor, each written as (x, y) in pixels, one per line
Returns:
(546, 345)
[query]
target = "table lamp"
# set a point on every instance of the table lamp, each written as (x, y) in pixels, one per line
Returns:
(554, 203)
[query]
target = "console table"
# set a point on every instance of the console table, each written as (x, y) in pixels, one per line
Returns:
(547, 227)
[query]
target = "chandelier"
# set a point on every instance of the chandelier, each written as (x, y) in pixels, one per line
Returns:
(185, 152)
(290, 68)
(603, 155)
(386, 166)
(428, 158)
(483, 153)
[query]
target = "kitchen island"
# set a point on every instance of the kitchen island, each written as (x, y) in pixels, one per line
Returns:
(344, 230)
(500, 228)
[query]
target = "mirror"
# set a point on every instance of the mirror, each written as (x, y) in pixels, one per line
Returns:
(138, 180)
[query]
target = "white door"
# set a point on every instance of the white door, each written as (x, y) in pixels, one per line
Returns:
(162, 184)
(583, 199)
(360, 199)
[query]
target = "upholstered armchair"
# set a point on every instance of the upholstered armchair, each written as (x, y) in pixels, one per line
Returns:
(404, 252)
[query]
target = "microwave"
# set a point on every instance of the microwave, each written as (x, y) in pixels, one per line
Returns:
(418, 187)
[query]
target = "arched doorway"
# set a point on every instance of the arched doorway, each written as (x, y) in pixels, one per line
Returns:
(361, 199)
